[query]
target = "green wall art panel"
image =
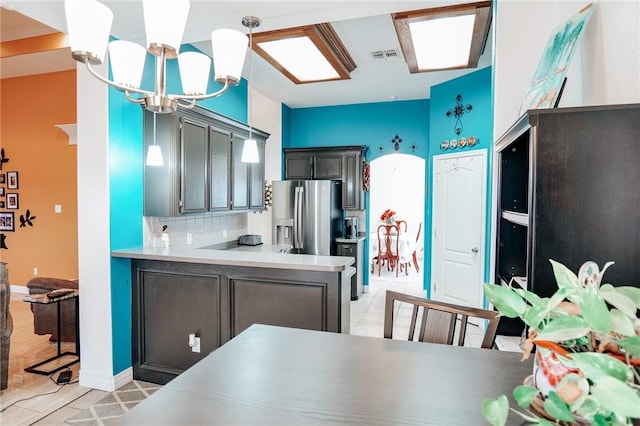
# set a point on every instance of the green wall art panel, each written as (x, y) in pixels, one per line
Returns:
(549, 76)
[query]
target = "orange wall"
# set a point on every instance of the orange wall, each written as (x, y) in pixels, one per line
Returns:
(31, 107)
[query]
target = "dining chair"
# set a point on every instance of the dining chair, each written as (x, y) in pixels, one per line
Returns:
(440, 322)
(405, 258)
(388, 247)
(414, 254)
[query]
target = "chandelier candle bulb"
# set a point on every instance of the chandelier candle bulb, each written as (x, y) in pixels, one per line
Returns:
(88, 38)
(127, 62)
(229, 48)
(194, 72)
(164, 24)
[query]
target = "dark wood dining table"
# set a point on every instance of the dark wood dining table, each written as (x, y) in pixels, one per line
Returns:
(275, 375)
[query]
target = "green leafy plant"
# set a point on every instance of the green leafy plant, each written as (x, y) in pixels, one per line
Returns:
(593, 330)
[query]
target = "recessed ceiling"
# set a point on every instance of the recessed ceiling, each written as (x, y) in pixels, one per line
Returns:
(363, 27)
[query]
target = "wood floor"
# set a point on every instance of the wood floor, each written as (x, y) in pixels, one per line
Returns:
(34, 399)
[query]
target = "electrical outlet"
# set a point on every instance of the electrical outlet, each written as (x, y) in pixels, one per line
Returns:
(196, 345)
(224, 233)
(189, 238)
(17, 379)
(35, 271)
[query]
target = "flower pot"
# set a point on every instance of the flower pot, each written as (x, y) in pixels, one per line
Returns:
(548, 371)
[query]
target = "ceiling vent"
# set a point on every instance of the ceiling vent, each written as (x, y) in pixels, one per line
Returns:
(383, 55)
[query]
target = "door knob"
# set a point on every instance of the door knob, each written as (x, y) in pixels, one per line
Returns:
(475, 249)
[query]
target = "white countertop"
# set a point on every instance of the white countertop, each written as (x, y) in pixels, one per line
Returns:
(351, 240)
(262, 256)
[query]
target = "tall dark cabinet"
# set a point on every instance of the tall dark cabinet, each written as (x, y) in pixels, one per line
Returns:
(568, 191)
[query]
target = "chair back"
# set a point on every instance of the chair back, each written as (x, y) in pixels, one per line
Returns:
(386, 244)
(439, 322)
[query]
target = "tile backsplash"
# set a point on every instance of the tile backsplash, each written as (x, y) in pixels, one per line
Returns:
(204, 229)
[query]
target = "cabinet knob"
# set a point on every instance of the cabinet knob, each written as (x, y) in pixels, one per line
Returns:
(475, 249)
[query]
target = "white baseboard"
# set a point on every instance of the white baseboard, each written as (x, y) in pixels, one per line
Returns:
(20, 289)
(105, 383)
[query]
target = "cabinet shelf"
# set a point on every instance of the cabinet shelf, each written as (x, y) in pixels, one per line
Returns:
(516, 217)
(519, 281)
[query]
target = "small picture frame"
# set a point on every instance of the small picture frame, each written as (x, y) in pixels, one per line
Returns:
(2, 204)
(1, 191)
(12, 201)
(2, 178)
(7, 221)
(12, 180)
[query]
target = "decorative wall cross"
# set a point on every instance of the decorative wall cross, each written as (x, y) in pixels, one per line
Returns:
(458, 111)
(396, 142)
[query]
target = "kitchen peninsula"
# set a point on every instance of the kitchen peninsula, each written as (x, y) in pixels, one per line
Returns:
(186, 302)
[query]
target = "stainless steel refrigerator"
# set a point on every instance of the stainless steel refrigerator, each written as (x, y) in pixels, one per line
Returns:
(308, 215)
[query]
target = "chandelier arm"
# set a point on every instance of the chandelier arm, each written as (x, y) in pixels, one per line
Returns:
(200, 97)
(113, 83)
(127, 94)
(187, 105)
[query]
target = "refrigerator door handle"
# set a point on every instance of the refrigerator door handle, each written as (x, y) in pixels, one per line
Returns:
(300, 227)
(295, 217)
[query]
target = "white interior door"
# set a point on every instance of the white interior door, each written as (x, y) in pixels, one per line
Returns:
(458, 232)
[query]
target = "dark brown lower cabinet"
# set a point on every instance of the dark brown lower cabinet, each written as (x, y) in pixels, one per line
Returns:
(172, 300)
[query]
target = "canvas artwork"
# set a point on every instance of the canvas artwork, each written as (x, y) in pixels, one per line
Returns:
(547, 80)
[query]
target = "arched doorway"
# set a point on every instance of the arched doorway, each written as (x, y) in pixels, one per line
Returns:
(397, 183)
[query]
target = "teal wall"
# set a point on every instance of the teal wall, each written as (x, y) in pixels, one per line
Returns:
(423, 122)
(372, 125)
(475, 89)
(126, 162)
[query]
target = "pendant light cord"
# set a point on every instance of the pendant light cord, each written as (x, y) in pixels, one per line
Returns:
(250, 80)
(154, 127)
(251, 22)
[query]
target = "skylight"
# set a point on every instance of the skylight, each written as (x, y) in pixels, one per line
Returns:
(289, 51)
(450, 37)
(305, 54)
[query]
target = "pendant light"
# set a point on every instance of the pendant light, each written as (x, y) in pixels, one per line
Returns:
(154, 154)
(250, 148)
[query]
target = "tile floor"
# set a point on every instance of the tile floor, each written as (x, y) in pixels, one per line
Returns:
(367, 313)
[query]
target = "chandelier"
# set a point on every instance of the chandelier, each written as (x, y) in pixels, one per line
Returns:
(89, 28)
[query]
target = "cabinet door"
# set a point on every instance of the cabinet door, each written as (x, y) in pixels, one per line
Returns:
(352, 183)
(167, 308)
(162, 183)
(256, 182)
(298, 166)
(345, 250)
(220, 164)
(327, 166)
(240, 172)
(195, 145)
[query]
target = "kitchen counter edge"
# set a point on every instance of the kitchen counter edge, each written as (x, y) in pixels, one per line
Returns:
(303, 262)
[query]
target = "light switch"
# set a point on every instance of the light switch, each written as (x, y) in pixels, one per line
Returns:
(57, 208)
